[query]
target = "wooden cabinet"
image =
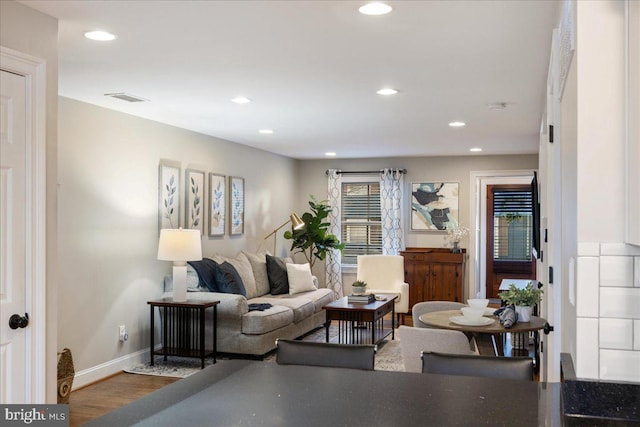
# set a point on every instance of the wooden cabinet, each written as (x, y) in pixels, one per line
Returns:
(434, 274)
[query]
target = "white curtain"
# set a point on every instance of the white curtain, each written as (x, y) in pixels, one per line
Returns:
(391, 183)
(333, 268)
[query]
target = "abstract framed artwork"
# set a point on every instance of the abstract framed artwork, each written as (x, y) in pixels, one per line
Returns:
(434, 205)
(168, 194)
(194, 200)
(236, 205)
(217, 204)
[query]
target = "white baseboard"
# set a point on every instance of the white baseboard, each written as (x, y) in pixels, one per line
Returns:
(96, 373)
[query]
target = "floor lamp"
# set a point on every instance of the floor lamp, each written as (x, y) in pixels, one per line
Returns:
(179, 246)
(294, 219)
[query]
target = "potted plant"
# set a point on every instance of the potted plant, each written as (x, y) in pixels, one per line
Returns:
(313, 240)
(522, 299)
(359, 287)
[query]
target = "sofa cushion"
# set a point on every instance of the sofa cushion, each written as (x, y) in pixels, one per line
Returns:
(319, 297)
(261, 322)
(300, 278)
(259, 266)
(277, 272)
(302, 307)
(243, 267)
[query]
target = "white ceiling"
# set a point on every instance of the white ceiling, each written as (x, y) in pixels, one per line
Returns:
(312, 69)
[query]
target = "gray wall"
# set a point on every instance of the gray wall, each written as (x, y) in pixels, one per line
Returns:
(108, 226)
(28, 31)
(312, 180)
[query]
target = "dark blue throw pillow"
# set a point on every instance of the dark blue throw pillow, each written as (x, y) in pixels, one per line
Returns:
(228, 280)
(206, 270)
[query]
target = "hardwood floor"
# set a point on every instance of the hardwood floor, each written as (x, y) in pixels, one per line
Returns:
(111, 393)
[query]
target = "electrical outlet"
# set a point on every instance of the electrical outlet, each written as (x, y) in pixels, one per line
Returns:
(122, 333)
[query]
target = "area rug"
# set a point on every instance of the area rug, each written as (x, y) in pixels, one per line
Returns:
(388, 358)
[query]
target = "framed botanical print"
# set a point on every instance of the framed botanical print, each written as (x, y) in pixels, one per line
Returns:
(236, 205)
(434, 206)
(194, 200)
(217, 204)
(168, 194)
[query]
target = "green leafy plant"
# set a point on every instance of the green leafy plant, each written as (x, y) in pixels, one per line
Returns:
(359, 284)
(313, 240)
(527, 296)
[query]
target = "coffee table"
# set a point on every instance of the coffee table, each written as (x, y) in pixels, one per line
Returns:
(361, 323)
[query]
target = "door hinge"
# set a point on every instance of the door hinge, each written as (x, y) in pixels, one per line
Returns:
(546, 235)
(551, 134)
(541, 346)
(541, 256)
(550, 275)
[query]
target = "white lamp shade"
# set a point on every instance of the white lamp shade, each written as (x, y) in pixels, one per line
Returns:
(179, 245)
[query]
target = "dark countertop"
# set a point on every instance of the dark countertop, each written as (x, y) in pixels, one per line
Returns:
(597, 403)
(232, 393)
(600, 403)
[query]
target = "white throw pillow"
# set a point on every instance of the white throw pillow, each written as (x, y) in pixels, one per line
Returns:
(300, 278)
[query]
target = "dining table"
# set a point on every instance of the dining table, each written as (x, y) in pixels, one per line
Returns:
(490, 335)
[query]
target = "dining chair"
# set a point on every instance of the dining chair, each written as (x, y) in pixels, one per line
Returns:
(413, 341)
(430, 306)
(354, 356)
(514, 368)
(385, 274)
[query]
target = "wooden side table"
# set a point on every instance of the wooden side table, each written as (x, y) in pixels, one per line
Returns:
(184, 330)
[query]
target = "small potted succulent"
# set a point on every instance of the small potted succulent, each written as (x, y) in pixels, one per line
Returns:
(359, 287)
(522, 299)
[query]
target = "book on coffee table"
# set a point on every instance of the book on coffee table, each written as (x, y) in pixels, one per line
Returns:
(361, 299)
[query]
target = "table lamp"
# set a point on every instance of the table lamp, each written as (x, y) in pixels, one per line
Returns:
(295, 221)
(179, 246)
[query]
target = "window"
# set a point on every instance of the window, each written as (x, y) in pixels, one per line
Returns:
(361, 220)
(512, 225)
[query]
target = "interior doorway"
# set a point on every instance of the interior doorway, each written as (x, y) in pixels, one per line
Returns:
(509, 225)
(479, 181)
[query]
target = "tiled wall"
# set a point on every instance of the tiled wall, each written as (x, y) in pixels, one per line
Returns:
(608, 312)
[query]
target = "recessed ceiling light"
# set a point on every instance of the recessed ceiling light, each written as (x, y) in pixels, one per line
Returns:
(330, 154)
(126, 97)
(457, 124)
(475, 149)
(241, 100)
(387, 91)
(102, 36)
(266, 131)
(375, 8)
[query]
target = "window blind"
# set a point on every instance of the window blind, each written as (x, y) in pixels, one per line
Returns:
(512, 225)
(361, 220)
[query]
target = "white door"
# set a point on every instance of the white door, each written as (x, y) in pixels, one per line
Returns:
(13, 238)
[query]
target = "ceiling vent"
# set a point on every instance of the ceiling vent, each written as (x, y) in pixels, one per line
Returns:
(126, 97)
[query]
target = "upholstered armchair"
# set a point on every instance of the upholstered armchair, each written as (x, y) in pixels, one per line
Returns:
(413, 341)
(384, 274)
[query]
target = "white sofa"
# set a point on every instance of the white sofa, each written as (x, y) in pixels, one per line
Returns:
(241, 331)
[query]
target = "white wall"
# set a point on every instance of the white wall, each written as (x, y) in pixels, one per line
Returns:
(419, 169)
(108, 226)
(34, 33)
(608, 271)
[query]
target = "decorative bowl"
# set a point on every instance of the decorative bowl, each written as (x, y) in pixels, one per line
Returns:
(478, 302)
(472, 313)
